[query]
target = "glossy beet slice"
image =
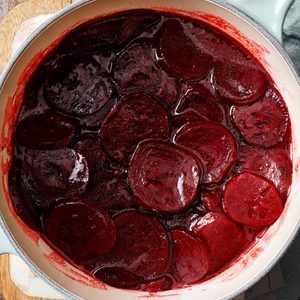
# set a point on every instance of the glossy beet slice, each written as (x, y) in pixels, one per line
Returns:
(188, 61)
(61, 172)
(111, 191)
(214, 145)
(160, 284)
(164, 177)
(223, 237)
(48, 130)
(191, 259)
(239, 84)
(188, 116)
(212, 199)
(263, 123)
(135, 118)
(77, 87)
(118, 277)
(142, 245)
(209, 110)
(252, 200)
(136, 70)
(80, 228)
(273, 164)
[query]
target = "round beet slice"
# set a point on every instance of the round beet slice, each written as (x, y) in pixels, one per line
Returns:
(77, 87)
(48, 130)
(212, 199)
(214, 145)
(188, 61)
(252, 200)
(239, 84)
(263, 123)
(191, 259)
(273, 164)
(142, 245)
(223, 237)
(61, 172)
(135, 118)
(136, 70)
(209, 110)
(188, 116)
(164, 177)
(80, 228)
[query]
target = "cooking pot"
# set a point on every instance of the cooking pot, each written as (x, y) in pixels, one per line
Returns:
(237, 20)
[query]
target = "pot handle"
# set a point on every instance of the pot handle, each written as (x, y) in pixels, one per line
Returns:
(5, 245)
(269, 13)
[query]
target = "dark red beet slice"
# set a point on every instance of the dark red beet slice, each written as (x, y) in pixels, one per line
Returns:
(135, 118)
(142, 245)
(48, 130)
(214, 145)
(188, 116)
(191, 259)
(209, 110)
(136, 70)
(164, 177)
(212, 199)
(188, 61)
(111, 191)
(252, 200)
(80, 228)
(223, 237)
(77, 87)
(273, 164)
(263, 123)
(160, 284)
(61, 172)
(118, 277)
(238, 83)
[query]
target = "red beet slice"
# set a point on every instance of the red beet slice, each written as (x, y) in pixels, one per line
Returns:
(188, 61)
(142, 245)
(188, 116)
(223, 237)
(273, 164)
(214, 145)
(77, 87)
(239, 84)
(111, 191)
(252, 200)
(212, 199)
(135, 118)
(191, 259)
(118, 277)
(136, 70)
(209, 110)
(164, 177)
(160, 284)
(48, 130)
(80, 228)
(263, 123)
(61, 172)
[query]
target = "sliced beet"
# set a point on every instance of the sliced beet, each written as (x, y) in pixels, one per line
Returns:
(61, 172)
(48, 130)
(164, 177)
(223, 237)
(209, 110)
(214, 145)
(160, 284)
(118, 277)
(191, 259)
(252, 200)
(142, 245)
(263, 123)
(273, 164)
(136, 70)
(80, 228)
(111, 191)
(239, 84)
(212, 199)
(188, 116)
(135, 118)
(188, 61)
(77, 87)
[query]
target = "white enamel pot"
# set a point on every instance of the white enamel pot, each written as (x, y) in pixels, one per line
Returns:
(237, 19)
